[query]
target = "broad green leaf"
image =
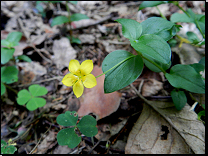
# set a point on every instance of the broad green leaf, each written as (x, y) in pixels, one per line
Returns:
(37, 90)
(179, 99)
(78, 16)
(153, 46)
(68, 137)
(146, 4)
(9, 74)
(201, 113)
(35, 103)
(152, 67)
(198, 67)
(14, 37)
(3, 89)
(67, 119)
(73, 2)
(159, 26)
(202, 61)
(127, 69)
(59, 20)
(177, 17)
(185, 77)
(6, 43)
(87, 126)
(192, 37)
(24, 58)
(23, 97)
(131, 29)
(6, 54)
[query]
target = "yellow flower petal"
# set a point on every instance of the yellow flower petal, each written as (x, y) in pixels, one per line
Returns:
(69, 79)
(74, 66)
(89, 81)
(78, 88)
(86, 67)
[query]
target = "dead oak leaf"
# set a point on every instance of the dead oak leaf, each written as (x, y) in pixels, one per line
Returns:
(95, 101)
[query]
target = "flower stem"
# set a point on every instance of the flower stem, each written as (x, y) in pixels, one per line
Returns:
(69, 17)
(115, 66)
(161, 13)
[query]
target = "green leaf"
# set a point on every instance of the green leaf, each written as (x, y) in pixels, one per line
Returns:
(23, 97)
(201, 23)
(152, 67)
(68, 137)
(198, 67)
(185, 77)
(24, 58)
(59, 20)
(14, 37)
(87, 125)
(201, 113)
(74, 40)
(7, 149)
(179, 99)
(77, 17)
(127, 69)
(73, 2)
(202, 61)
(37, 90)
(3, 89)
(172, 42)
(177, 17)
(146, 4)
(9, 74)
(192, 37)
(6, 43)
(160, 27)
(35, 103)
(6, 54)
(131, 29)
(67, 119)
(153, 46)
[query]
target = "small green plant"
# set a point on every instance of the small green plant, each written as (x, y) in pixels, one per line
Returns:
(9, 74)
(8, 148)
(68, 136)
(30, 98)
(69, 19)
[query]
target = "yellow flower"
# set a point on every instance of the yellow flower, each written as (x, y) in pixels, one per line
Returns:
(80, 75)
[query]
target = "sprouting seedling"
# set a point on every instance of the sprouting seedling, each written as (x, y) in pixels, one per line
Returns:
(68, 136)
(31, 98)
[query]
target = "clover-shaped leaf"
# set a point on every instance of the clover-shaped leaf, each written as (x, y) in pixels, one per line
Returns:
(30, 98)
(7, 149)
(68, 137)
(87, 125)
(9, 74)
(67, 119)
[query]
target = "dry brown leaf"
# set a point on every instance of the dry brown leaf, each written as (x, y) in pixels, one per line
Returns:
(95, 101)
(181, 132)
(63, 52)
(151, 87)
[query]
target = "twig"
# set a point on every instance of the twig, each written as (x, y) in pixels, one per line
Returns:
(94, 147)
(49, 79)
(30, 43)
(40, 140)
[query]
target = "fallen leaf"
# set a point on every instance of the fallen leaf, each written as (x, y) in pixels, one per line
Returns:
(95, 101)
(63, 52)
(166, 131)
(87, 38)
(151, 87)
